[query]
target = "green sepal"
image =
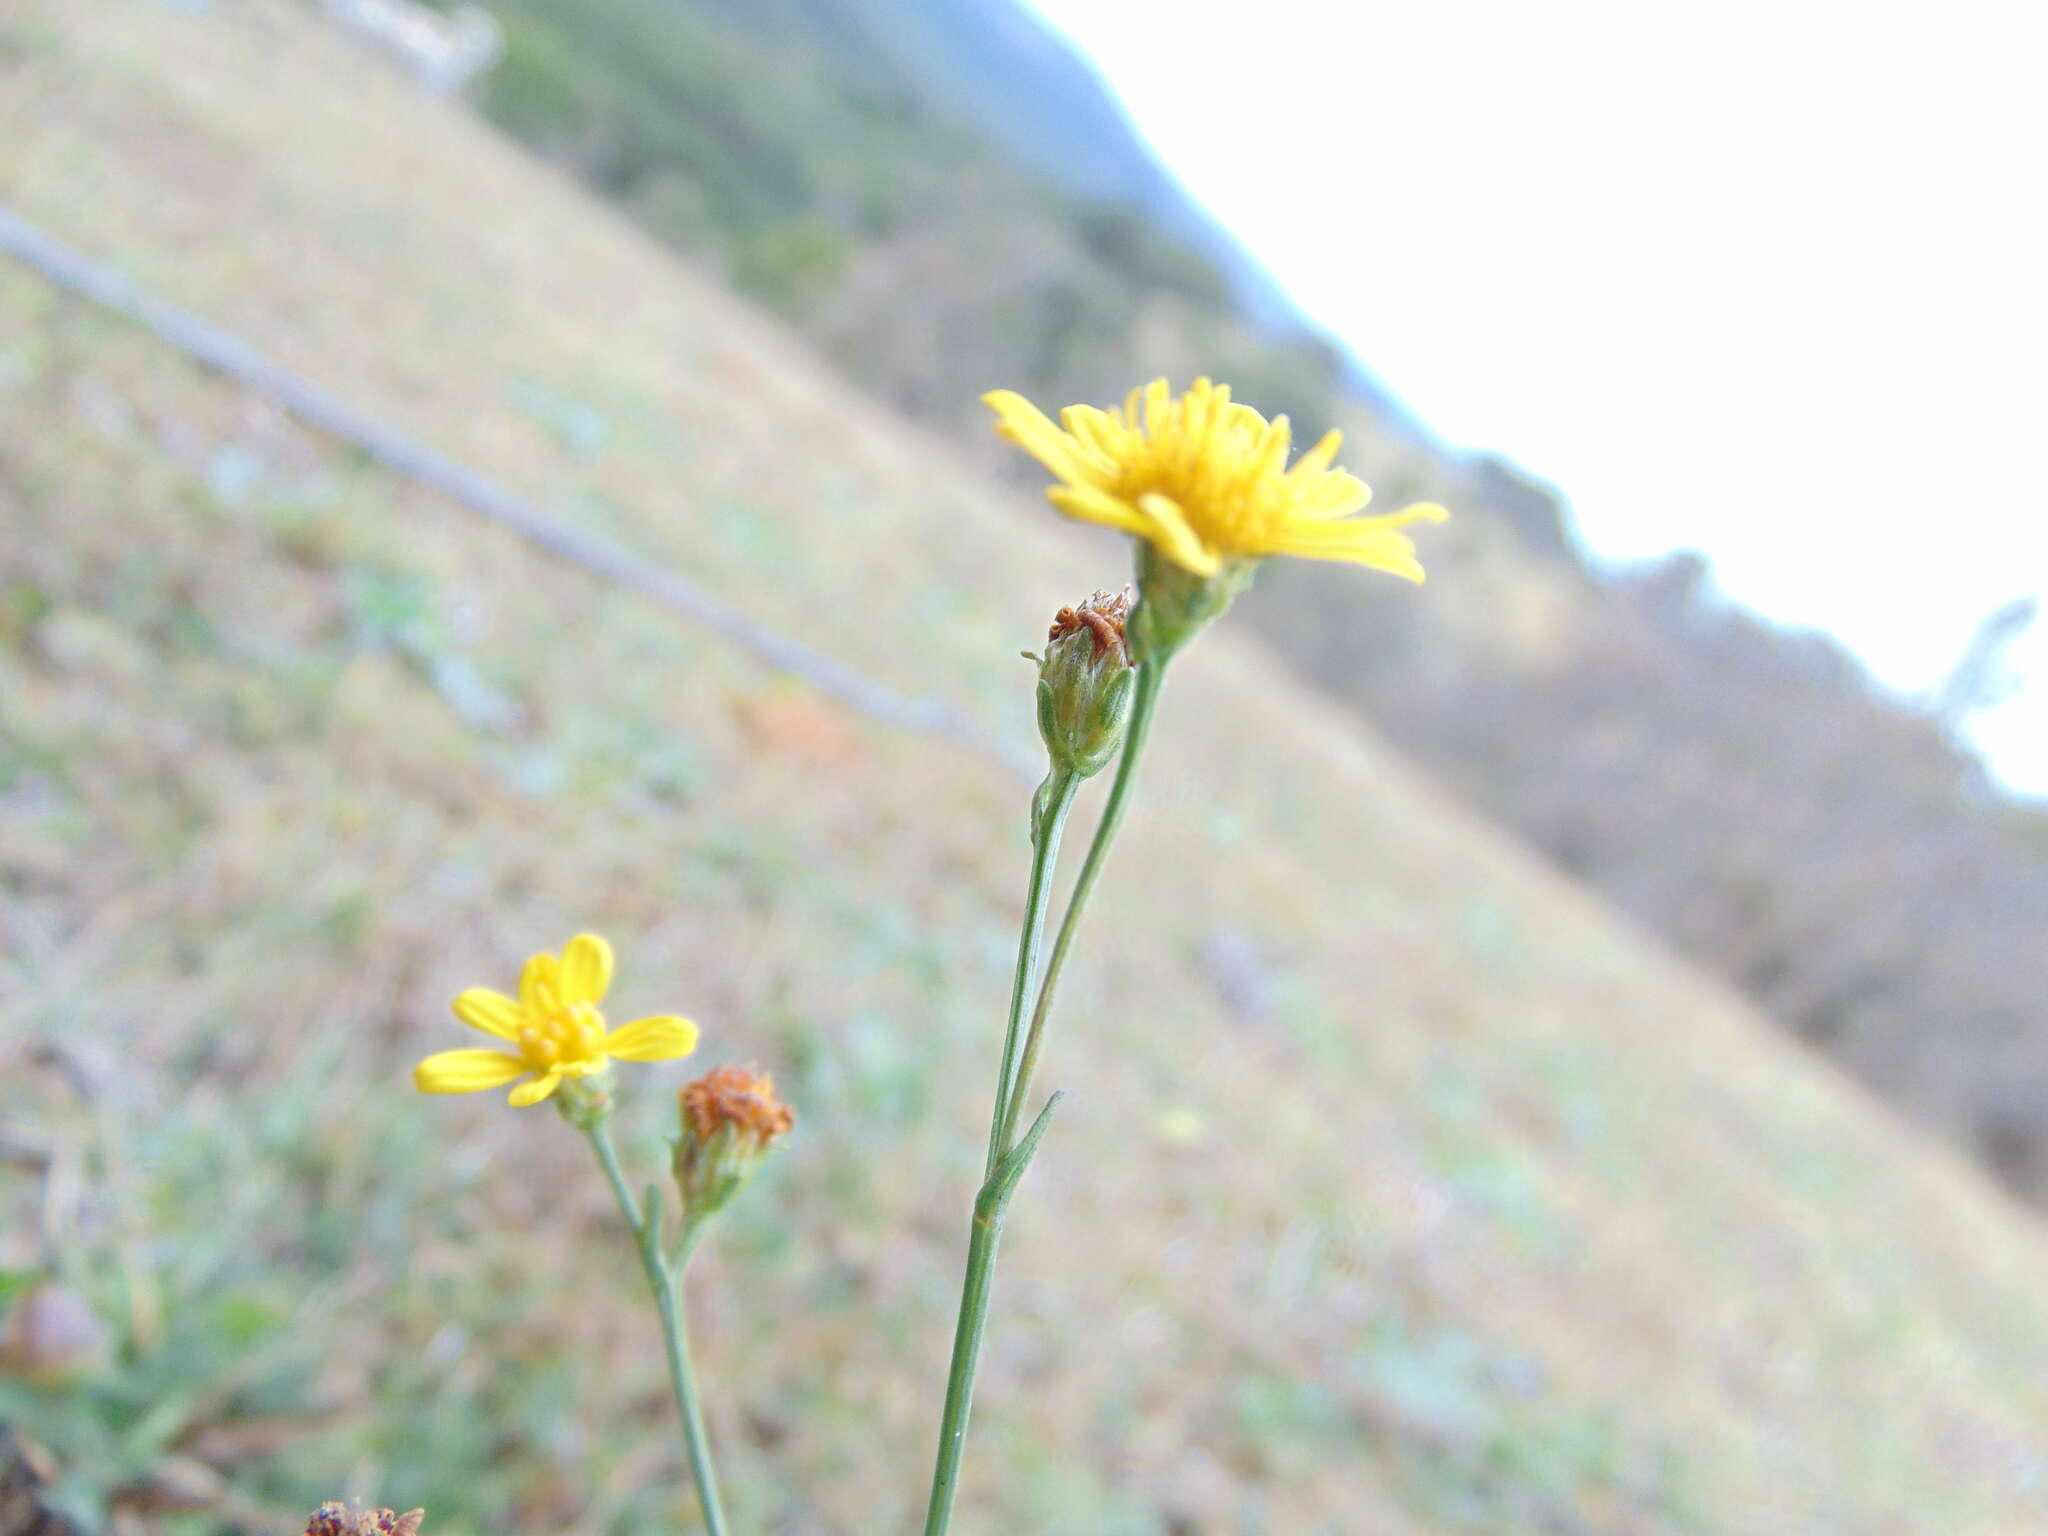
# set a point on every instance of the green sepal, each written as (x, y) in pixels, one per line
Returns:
(1175, 605)
(586, 1102)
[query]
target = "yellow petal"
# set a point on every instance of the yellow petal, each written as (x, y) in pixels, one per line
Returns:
(1251, 430)
(540, 984)
(1330, 532)
(1096, 430)
(661, 1038)
(586, 969)
(1332, 494)
(1318, 458)
(492, 1012)
(1030, 429)
(1159, 405)
(1093, 506)
(1174, 538)
(1269, 445)
(466, 1071)
(1421, 512)
(1375, 547)
(535, 1091)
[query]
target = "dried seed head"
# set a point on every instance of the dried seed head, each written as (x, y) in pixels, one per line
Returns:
(335, 1518)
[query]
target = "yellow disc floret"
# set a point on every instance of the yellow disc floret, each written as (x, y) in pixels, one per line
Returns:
(1206, 481)
(553, 1027)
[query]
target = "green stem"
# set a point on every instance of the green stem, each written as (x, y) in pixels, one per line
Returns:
(987, 1230)
(1049, 810)
(1049, 820)
(1151, 677)
(666, 1282)
(1006, 1167)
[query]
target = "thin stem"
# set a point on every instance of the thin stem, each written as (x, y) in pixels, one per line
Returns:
(974, 1293)
(675, 1329)
(989, 1207)
(666, 1283)
(1007, 1166)
(1049, 820)
(1151, 676)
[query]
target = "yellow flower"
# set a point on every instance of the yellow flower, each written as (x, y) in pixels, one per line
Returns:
(553, 1027)
(1206, 481)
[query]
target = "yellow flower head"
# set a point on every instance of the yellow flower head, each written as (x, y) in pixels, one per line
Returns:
(1206, 481)
(553, 1027)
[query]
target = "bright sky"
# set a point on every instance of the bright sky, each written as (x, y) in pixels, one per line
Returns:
(1767, 280)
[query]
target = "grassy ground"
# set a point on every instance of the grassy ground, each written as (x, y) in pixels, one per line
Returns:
(1401, 1189)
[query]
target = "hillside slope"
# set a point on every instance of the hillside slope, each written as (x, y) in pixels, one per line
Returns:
(939, 196)
(996, 65)
(1402, 1188)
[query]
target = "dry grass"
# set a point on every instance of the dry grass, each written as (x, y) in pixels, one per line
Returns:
(1401, 1189)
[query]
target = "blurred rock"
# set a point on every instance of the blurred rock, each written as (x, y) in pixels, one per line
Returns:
(52, 1337)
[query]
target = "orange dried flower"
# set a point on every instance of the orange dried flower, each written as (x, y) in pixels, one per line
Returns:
(731, 1118)
(738, 1097)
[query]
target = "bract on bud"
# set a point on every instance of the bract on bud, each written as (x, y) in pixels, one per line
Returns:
(1084, 684)
(586, 1102)
(731, 1119)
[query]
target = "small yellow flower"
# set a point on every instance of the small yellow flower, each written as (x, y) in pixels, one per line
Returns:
(1206, 481)
(553, 1027)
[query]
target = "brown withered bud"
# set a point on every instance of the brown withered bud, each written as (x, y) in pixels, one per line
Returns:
(1103, 616)
(731, 1118)
(335, 1518)
(738, 1097)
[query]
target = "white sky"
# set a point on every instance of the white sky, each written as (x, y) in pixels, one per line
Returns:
(1765, 280)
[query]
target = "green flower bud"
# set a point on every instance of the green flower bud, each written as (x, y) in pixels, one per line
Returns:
(1084, 684)
(586, 1102)
(1175, 604)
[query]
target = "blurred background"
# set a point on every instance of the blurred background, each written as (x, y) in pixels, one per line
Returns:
(1560, 1050)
